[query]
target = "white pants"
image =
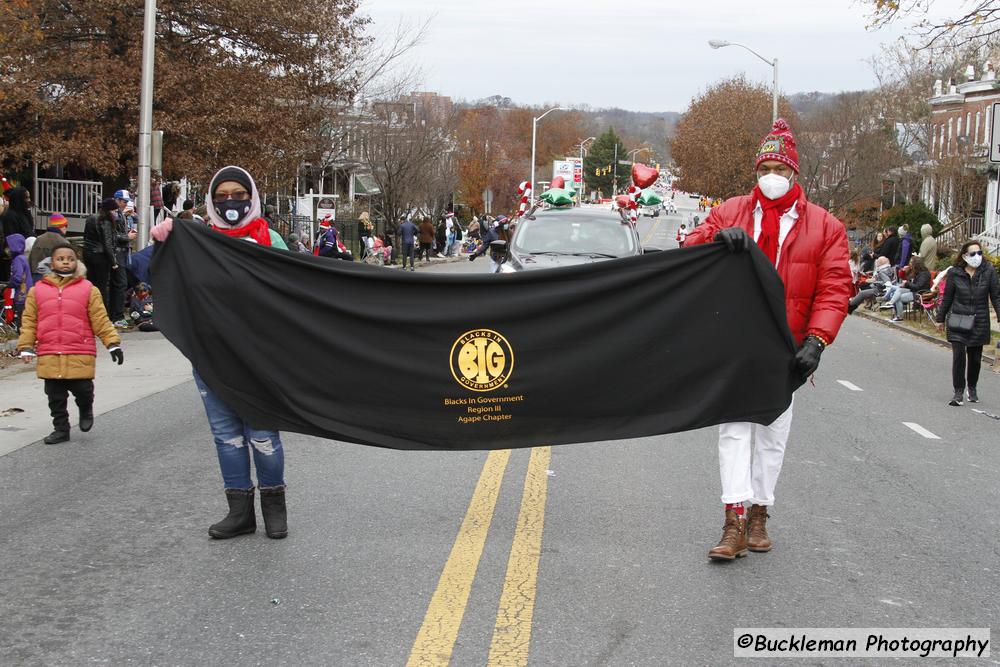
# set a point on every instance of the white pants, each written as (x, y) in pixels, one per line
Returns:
(752, 478)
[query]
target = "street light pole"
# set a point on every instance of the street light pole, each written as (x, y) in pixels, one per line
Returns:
(579, 195)
(534, 135)
(720, 43)
(146, 122)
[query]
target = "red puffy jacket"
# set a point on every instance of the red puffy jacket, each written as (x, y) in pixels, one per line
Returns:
(812, 263)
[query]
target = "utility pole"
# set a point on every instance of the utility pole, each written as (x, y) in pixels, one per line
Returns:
(146, 123)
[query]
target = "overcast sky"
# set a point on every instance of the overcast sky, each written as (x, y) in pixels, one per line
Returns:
(644, 55)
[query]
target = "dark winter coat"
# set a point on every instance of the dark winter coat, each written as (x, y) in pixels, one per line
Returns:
(971, 295)
(17, 218)
(98, 238)
(919, 283)
(890, 249)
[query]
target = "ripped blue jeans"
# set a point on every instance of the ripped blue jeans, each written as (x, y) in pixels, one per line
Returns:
(234, 439)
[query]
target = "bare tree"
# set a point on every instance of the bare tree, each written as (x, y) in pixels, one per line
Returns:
(400, 149)
(976, 24)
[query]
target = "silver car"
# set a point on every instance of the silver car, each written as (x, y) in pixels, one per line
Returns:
(567, 236)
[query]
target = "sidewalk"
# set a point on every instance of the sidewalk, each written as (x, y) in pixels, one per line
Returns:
(922, 328)
(151, 365)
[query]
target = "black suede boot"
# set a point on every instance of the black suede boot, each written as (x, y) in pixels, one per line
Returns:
(83, 392)
(56, 437)
(86, 419)
(272, 508)
(242, 518)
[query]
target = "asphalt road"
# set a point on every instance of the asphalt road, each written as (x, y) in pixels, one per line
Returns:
(106, 558)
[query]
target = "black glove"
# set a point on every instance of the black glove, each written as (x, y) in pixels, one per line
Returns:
(735, 239)
(117, 355)
(807, 358)
(472, 257)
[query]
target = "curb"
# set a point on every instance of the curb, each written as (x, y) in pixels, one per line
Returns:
(918, 334)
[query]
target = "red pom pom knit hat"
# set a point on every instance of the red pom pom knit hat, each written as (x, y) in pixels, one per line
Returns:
(779, 144)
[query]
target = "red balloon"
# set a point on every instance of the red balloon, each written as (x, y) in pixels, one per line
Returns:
(644, 176)
(558, 182)
(623, 201)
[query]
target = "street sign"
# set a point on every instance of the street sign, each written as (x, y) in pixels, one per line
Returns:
(995, 134)
(571, 169)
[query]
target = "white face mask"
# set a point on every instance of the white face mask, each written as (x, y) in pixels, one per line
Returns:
(974, 261)
(774, 186)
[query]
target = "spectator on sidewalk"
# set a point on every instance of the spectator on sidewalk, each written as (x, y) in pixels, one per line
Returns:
(20, 274)
(918, 279)
(124, 223)
(877, 246)
(409, 233)
(890, 247)
(441, 238)
(426, 238)
(972, 285)
(99, 248)
(295, 245)
(928, 246)
(880, 282)
(63, 315)
(234, 210)
(54, 237)
(156, 195)
(854, 261)
(328, 242)
(187, 212)
(905, 246)
(15, 219)
(449, 232)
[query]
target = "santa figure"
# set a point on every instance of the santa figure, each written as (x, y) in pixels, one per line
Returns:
(809, 249)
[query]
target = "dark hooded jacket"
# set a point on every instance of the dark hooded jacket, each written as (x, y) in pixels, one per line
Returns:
(20, 275)
(17, 218)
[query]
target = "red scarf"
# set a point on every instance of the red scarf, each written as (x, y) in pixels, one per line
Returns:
(770, 222)
(257, 230)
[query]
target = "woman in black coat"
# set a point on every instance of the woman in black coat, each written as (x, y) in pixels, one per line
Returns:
(972, 285)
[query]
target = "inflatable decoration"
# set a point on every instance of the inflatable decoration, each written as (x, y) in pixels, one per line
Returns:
(558, 194)
(524, 189)
(648, 197)
(644, 176)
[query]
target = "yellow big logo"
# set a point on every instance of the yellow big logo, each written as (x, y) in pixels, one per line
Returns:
(481, 360)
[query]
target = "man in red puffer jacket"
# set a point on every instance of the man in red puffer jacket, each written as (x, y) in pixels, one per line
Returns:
(809, 249)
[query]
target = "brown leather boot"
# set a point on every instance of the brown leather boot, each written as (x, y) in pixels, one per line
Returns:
(757, 539)
(734, 539)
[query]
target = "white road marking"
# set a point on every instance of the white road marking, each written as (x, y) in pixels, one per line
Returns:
(921, 430)
(850, 385)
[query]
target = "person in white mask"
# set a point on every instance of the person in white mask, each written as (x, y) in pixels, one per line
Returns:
(971, 286)
(809, 249)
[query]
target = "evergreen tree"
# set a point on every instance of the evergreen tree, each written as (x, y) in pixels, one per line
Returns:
(599, 165)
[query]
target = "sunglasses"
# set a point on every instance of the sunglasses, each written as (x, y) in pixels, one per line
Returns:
(973, 253)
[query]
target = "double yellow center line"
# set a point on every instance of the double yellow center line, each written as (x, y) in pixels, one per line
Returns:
(512, 633)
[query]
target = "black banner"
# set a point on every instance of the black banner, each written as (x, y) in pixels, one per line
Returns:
(625, 348)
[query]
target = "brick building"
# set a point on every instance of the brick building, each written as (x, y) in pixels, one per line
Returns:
(959, 183)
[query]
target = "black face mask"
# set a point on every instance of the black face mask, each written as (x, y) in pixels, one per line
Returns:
(233, 211)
